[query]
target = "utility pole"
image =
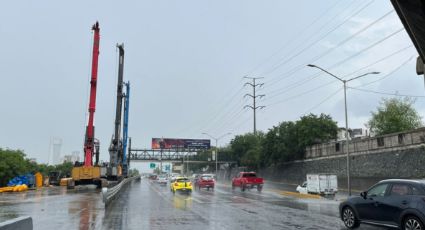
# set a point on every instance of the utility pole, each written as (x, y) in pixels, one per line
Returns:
(344, 82)
(216, 150)
(254, 96)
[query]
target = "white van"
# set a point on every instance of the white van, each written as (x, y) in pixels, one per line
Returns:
(323, 184)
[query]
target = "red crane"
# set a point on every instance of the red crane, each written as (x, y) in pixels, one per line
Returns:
(89, 173)
(89, 144)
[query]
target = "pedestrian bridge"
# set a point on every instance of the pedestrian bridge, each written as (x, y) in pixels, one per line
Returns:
(172, 155)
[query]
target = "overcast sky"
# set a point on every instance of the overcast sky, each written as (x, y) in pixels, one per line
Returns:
(186, 61)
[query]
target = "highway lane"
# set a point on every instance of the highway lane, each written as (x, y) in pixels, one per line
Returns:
(146, 205)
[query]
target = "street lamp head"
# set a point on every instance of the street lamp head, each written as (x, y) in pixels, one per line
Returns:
(375, 73)
(310, 65)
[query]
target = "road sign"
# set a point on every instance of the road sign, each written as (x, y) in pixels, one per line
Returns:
(152, 165)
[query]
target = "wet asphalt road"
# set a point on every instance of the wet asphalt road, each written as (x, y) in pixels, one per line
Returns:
(146, 205)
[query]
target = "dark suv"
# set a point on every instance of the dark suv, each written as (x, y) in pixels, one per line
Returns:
(389, 203)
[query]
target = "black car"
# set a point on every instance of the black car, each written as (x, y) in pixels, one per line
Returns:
(391, 203)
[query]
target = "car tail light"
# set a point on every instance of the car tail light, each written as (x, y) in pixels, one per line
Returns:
(176, 184)
(190, 184)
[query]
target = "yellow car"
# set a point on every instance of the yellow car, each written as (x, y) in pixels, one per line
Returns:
(181, 184)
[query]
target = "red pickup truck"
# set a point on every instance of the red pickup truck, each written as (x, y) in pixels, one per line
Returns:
(247, 180)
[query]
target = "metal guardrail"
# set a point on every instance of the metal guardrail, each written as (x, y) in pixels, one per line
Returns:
(109, 194)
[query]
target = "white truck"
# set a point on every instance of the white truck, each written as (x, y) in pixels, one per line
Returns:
(323, 184)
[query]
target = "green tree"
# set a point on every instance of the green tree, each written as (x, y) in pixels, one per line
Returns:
(246, 149)
(280, 144)
(12, 164)
(394, 115)
(65, 168)
(313, 129)
(288, 140)
(133, 172)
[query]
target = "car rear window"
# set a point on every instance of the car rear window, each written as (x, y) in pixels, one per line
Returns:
(183, 180)
(206, 178)
(249, 175)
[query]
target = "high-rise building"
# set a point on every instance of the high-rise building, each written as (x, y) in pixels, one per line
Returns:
(55, 150)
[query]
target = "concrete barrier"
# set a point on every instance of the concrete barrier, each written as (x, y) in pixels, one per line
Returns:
(20, 223)
(109, 194)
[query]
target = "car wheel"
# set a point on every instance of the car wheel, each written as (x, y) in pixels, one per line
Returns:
(233, 186)
(412, 223)
(242, 188)
(259, 188)
(349, 218)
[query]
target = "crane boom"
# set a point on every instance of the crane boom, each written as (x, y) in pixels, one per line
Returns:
(115, 149)
(88, 173)
(125, 128)
(89, 145)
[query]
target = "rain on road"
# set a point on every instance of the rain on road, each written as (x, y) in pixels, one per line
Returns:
(147, 205)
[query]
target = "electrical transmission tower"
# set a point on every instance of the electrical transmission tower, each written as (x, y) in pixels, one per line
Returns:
(254, 97)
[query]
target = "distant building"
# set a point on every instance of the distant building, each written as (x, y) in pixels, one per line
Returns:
(353, 133)
(356, 133)
(67, 158)
(72, 157)
(55, 150)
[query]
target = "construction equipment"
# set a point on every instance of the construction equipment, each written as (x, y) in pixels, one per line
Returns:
(125, 160)
(87, 173)
(114, 171)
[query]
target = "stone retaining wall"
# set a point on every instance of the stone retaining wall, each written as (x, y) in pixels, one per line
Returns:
(366, 168)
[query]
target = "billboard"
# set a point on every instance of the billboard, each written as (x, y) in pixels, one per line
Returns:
(172, 143)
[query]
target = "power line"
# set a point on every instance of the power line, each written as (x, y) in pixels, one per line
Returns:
(326, 99)
(385, 93)
(236, 127)
(367, 48)
(317, 41)
(318, 57)
(226, 120)
(222, 115)
(293, 86)
(390, 73)
(222, 105)
(350, 57)
(313, 22)
(297, 35)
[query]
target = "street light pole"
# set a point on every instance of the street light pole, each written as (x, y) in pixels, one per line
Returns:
(216, 158)
(346, 117)
(346, 139)
(216, 150)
